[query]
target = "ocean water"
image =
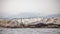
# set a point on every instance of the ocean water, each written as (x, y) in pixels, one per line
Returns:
(29, 31)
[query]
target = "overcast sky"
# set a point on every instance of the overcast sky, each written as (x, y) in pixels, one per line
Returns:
(37, 7)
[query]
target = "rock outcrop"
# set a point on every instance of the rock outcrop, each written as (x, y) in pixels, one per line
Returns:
(31, 22)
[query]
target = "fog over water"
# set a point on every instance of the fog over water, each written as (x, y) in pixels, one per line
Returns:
(28, 8)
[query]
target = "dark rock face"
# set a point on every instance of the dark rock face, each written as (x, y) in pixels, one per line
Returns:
(51, 25)
(40, 25)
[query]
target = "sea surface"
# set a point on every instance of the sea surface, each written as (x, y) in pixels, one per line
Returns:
(29, 30)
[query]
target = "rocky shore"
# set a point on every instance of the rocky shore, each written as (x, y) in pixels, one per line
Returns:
(30, 23)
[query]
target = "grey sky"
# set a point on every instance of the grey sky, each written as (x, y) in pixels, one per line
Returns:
(38, 7)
